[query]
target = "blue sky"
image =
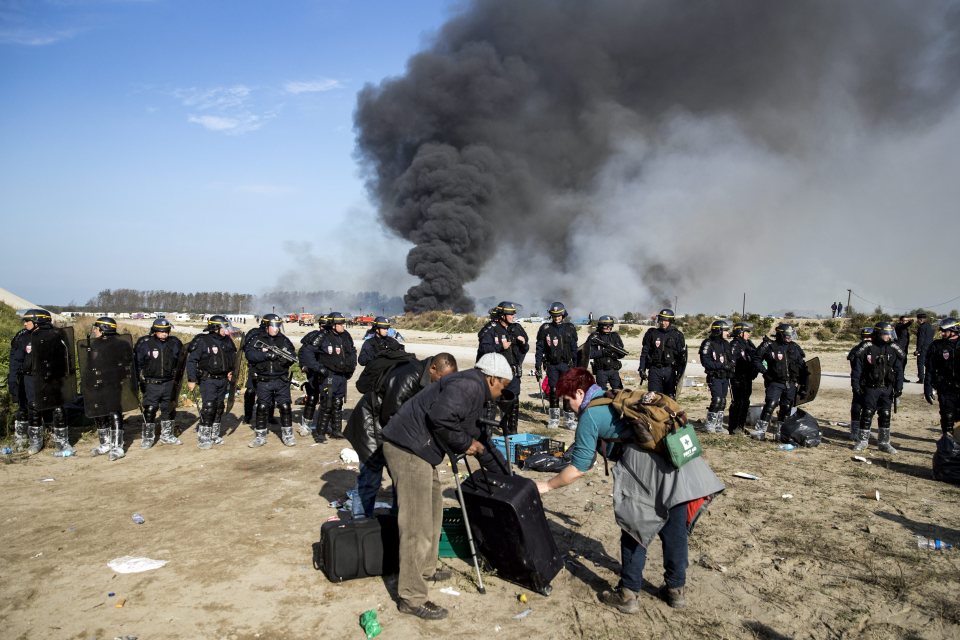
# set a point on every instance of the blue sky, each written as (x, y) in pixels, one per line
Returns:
(193, 145)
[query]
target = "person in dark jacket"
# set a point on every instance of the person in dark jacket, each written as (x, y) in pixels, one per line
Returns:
(378, 342)
(717, 360)
(107, 372)
(856, 403)
(557, 350)
(902, 327)
(443, 418)
(338, 360)
(603, 353)
(742, 351)
(878, 375)
(308, 358)
(270, 356)
(509, 339)
(943, 375)
(785, 376)
(924, 340)
(374, 411)
(663, 358)
(211, 356)
(158, 360)
(250, 391)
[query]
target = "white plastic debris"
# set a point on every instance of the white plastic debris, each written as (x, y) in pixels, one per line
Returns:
(745, 476)
(861, 459)
(349, 456)
(787, 496)
(132, 564)
(523, 614)
(450, 591)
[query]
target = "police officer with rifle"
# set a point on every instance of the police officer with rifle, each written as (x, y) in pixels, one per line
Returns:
(270, 356)
(605, 352)
(507, 338)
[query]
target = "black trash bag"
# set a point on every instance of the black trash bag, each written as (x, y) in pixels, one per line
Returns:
(946, 460)
(801, 429)
(545, 461)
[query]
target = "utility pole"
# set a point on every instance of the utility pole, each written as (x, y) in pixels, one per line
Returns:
(849, 293)
(743, 310)
(674, 305)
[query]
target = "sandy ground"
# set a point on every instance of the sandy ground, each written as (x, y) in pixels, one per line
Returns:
(237, 527)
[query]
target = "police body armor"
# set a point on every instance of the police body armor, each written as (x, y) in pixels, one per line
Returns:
(559, 343)
(879, 363)
(944, 370)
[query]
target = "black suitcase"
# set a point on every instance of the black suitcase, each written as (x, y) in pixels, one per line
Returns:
(510, 529)
(360, 548)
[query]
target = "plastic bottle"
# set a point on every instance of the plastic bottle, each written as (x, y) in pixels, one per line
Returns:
(66, 453)
(7, 451)
(787, 447)
(138, 518)
(370, 624)
(932, 543)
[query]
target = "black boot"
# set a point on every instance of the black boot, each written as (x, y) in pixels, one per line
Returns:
(336, 419)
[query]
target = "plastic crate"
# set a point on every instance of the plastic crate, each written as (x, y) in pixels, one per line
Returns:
(518, 441)
(547, 445)
(453, 535)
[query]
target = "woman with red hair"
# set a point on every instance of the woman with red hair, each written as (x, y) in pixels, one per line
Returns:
(650, 495)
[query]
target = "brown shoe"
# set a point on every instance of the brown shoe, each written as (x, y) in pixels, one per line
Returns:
(623, 600)
(426, 611)
(672, 596)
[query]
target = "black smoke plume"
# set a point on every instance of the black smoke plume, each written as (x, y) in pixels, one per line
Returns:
(528, 130)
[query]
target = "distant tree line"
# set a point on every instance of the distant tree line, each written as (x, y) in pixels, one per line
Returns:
(133, 300)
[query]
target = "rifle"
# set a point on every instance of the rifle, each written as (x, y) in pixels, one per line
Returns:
(280, 353)
(613, 349)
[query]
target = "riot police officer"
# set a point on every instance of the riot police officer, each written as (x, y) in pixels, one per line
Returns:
(856, 403)
(378, 342)
(742, 351)
(40, 361)
(717, 360)
(785, 376)
(158, 361)
(557, 349)
(310, 365)
(924, 340)
(663, 358)
(109, 362)
(250, 389)
(878, 374)
(943, 375)
(337, 358)
(509, 339)
(271, 355)
(211, 357)
(606, 351)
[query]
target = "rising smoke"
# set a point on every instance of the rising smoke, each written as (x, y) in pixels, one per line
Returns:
(614, 154)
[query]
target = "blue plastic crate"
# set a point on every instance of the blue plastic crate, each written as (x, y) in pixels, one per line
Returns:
(518, 441)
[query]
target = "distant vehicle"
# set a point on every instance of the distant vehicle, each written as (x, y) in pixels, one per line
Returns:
(183, 317)
(363, 321)
(306, 320)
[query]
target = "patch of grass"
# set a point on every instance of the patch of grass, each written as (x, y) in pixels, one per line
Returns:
(442, 321)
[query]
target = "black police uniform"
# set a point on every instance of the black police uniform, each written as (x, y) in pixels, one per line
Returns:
(156, 361)
(23, 377)
(210, 357)
(742, 353)
(717, 360)
(856, 403)
(606, 366)
(376, 345)
(18, 353)
(943, 374)
(250, 390)
(557, 349)
(785, 374)
(878, 374)
(337, 357)
(663, 359)
(272, 373)
(493, 341)
(308, 357)
(924, 340)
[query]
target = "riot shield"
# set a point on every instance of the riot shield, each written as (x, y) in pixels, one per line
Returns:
(239, 367)
(813, 381)
(106, 375)
(54, 367)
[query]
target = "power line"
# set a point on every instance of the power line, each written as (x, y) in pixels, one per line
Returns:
(926, 306)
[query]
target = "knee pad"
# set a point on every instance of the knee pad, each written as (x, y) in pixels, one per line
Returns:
(150, 413)
(883, 418)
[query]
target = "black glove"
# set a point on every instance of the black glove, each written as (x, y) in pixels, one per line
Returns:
(898, 393)
(928, 394)
(643, 376)
(271, 355)
(801, 392)
(538, 372)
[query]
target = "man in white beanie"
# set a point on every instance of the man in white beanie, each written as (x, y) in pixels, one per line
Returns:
(442, 418)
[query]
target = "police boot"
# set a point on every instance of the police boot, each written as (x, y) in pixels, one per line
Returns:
(215, 436)
(324, 415)
(554, 421)
(883, 433)
(19, 435)
(621, 599)
(249, 406)
(336, 419)
(259, 437)
(308, 420)
(61, 439)
(35, 437)
(286, 425)
(167, 435)
(116, 450)
(570, 420)
(103, 435)
(709, 421)
(149, 435)
(204, 440)
(855, 431)
(760, 432)
(718, 425)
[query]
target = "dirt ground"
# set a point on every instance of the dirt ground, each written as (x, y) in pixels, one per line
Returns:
(237, 527)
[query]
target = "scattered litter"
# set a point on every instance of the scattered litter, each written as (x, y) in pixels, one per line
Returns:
(38, 555)
(872, 495)
(138, 518)
(861, 459)
(132, 564)
(787, 447)
(709, 563)
(7, 451)
(317, 444)
(523, 614)
(497, 629)
(125, 638)
(349, 456)
(48, 479)
(111, 594)
(352, 468)
(787, 496)
(120, 603)
(745, 476)
(522, 597)
(842, 424)
(450, 591)
(932, 543)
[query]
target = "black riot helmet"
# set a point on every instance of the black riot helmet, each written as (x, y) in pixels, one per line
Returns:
(161, 325)
(217, 322)
(506, 308)
(606, 323)
(717, 327)
(37, 316)
(740, 328)
(557, 309)
(666, 314)
(883, 329)
(381, 322)
(949, 325)
(336, 317)
(107, 325)
(271, 320)
(493, 313)
(866, 333)
(785, 331)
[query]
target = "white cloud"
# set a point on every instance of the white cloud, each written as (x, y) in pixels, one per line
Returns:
(217, 98)
(233, 125)
(32, 38)
(312, 86)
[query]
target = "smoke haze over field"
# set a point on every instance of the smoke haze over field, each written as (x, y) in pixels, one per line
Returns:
(614, 154)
